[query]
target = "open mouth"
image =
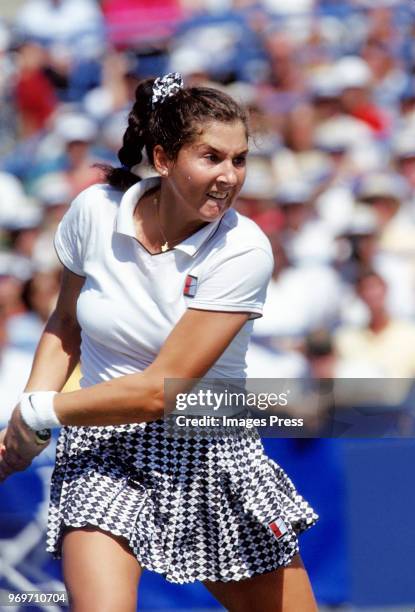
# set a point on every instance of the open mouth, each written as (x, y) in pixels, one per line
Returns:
(217, 196)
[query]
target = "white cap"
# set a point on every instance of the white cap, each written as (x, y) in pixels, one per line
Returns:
(289, 7)
(260, 181)
(5, 37)
(294, 192)
(12, 197)
(364, 221)
(312, 245)
(353, 71)
(383, 184)
(77, 127)
(113, 129)
(324, 83)
(187, 59)
(53, 189)
(341, 134)
(403, 146)
(16, 266)
(25, 217)
(244, 93)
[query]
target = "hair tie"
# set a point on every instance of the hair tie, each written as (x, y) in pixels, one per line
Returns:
(165, 87)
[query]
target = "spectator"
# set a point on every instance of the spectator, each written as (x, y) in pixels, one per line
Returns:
(129, 21)
(386, 344)
(286, 75)
(287, 315)
(403, 149)
(356, 81)
(7, 69)
(15, 367)
(360, 248)
(14, 202)
(387, 193)
(69, 151)
(64, 22)
(54, 193)
(115, 90)
(257, 195)
(22, 232)
(34, 95)
(14, 271)
(40, 294)
(306, 238)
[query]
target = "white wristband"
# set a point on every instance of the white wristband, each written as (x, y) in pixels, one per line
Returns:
(37, 410)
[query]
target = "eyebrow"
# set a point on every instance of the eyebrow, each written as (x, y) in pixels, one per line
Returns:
(212, 148)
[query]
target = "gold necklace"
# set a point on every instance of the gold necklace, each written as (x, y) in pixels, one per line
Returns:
(166, 245)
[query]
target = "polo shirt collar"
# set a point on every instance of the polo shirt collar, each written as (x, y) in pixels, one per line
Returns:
(124, 222)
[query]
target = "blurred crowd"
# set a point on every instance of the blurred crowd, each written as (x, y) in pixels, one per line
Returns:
(330, 88)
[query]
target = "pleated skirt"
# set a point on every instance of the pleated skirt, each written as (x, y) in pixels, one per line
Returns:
(195, 505)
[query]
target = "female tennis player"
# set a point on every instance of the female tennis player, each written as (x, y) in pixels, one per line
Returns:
(162, 279)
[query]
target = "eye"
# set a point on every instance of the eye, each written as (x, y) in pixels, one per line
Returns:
(240, 161)
(212, 157)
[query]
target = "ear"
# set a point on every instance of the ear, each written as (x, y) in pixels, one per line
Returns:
(162, 163)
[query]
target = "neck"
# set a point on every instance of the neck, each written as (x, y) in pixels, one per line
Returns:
(175, 222)
(378, 321)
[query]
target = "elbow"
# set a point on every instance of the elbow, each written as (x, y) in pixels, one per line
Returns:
(162, 393)
(161, 398)
(155, 408)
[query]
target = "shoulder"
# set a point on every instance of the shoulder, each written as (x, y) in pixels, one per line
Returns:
(96, 199)
(238, 248)
(99, 192)
(91, 208)
(241, 234)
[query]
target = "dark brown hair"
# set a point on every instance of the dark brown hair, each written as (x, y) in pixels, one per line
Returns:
(172, 123)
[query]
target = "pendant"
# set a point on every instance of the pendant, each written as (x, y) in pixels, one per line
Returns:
(164, 247)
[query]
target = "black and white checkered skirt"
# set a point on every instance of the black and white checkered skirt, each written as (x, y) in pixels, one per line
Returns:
(194, 506)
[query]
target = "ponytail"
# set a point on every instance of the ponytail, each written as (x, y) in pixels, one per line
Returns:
(134, 140)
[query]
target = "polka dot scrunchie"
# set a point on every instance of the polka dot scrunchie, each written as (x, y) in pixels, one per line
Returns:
(165, 87)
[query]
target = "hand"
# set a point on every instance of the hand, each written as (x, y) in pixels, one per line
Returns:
(18, 446)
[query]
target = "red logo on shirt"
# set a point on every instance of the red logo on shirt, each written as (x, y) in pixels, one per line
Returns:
(278, 528)
(190, 286)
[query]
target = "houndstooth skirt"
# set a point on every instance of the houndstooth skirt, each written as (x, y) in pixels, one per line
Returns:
(195, 506)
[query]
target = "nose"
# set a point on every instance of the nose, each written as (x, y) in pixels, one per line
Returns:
(228, 175)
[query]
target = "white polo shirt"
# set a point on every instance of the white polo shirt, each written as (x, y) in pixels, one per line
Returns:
(131, 299)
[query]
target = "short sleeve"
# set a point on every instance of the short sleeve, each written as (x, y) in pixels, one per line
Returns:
(235, 284)
(72, 235)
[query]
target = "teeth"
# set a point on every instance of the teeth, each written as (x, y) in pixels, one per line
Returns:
(217, 196)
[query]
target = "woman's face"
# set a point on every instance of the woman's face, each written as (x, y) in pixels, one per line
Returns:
(209, 172)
